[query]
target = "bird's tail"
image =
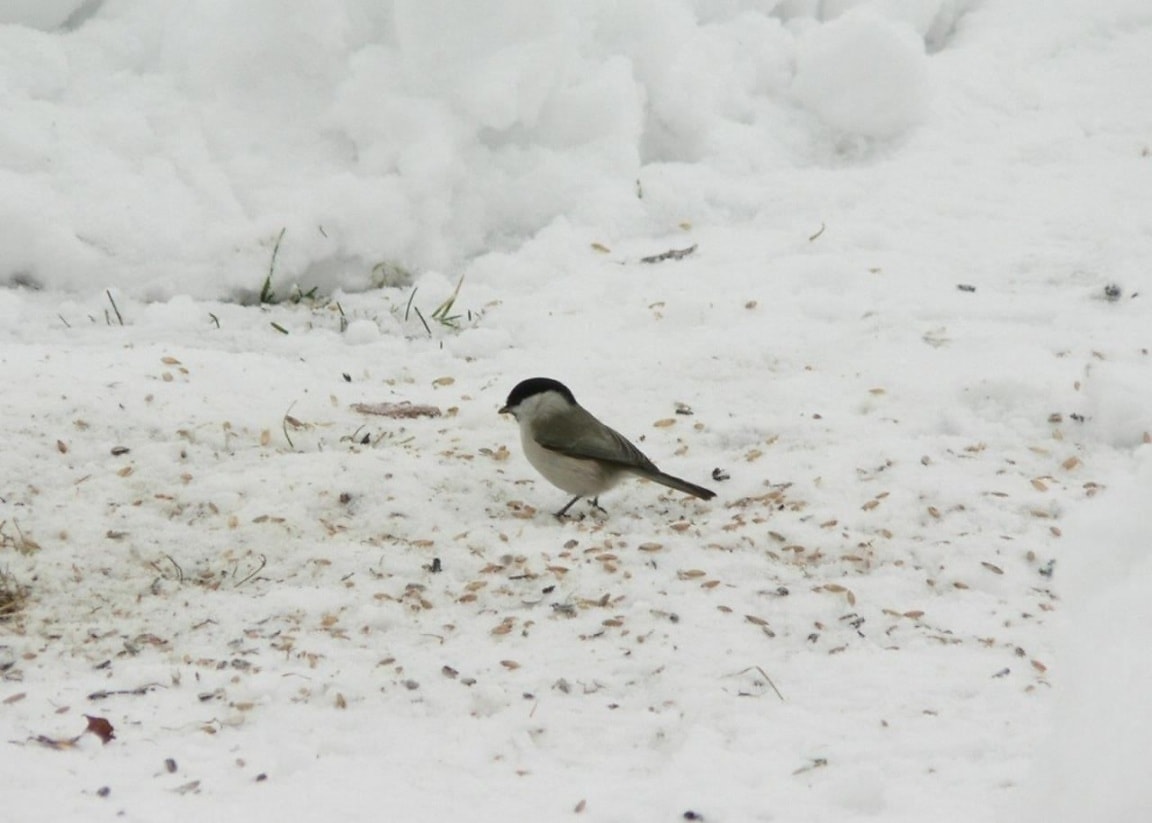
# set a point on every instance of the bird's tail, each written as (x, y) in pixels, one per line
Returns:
(681, 485)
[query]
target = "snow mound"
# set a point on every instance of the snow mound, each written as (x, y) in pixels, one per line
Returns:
(164, 150)
(864, 75)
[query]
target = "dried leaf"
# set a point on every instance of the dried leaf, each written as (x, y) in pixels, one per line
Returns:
(1070, 463)
(665, 423)
(870, 505)
(690, 574)
(61, 447)
(650, 547)
(1039, 484)
(509, 664)
(991, 567)
(758, 621)
(443, 381)
(100, 727)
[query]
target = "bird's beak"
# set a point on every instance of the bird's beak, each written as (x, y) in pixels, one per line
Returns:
(504, 410)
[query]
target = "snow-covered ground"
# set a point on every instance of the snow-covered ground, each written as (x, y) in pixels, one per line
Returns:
(909, 349)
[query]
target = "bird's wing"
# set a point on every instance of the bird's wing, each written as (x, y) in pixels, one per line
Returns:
(586, 438)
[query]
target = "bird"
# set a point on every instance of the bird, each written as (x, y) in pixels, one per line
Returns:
(573, 450)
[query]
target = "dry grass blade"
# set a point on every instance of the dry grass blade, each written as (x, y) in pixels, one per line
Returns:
(763, 674)
(403, 410)
(442, 313)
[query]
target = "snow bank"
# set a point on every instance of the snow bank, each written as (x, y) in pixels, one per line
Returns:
(1095, 764)
(163, 148)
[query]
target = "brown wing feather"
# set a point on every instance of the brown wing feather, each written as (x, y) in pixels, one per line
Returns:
(583, 438)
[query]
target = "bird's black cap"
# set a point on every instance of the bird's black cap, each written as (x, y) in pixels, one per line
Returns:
(536, 385)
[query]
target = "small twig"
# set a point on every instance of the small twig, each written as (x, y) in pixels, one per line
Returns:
(114, 308)
(818, 233)
(139, 690)
(215, 319)
(65, 322)
(408, 308)
(671, 254)
(256, 571)
(279, 328)
(817, 763)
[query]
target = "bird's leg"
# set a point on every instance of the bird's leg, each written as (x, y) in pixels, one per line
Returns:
(567, 506)
(596, 504)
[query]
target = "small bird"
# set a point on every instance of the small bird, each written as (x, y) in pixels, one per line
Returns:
(575, 451)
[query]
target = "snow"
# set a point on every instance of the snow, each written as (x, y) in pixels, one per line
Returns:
(911, 334)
